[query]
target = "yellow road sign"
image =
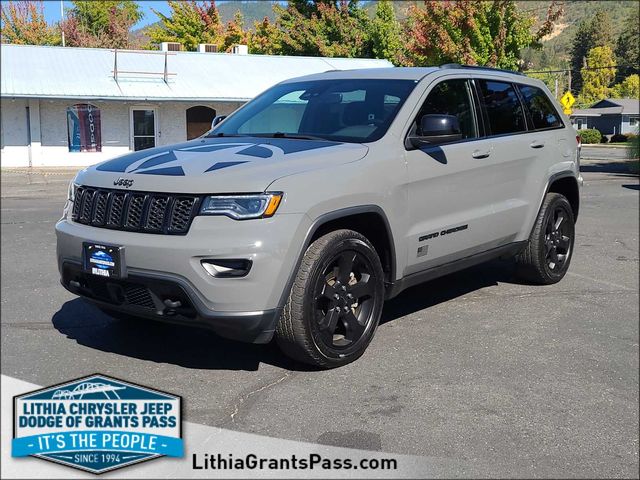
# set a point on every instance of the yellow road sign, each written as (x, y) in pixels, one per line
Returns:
(567, 111)
(567, 101)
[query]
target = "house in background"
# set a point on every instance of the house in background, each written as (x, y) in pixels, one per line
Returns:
(79, 106)
(609, 116)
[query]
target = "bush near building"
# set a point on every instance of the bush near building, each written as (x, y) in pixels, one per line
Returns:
(590, 135)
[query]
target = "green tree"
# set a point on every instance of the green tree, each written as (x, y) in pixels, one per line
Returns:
(595, 32)
(488, 33)
(190, 23)
(265, 38)
(597, 75)
(628, 88)
(317, 28)
(24, 23)
(234, 32)
(105, 24)
(628, 45)
(385, 32)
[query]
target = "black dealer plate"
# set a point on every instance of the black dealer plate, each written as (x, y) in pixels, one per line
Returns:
(103, 260)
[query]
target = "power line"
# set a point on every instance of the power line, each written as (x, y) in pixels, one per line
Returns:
(565, 70)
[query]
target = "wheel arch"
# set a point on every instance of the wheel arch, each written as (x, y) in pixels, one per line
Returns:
(565, 183)
(368, 220)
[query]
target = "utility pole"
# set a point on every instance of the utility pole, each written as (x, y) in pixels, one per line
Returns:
(569, 80)
(62, 20)
(556, 93)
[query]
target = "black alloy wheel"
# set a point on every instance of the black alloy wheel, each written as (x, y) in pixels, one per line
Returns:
(344, 300)
(547, 255)
(335, 302)
(557, 241)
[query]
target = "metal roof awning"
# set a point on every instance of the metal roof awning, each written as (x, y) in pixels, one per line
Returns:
(29, 71)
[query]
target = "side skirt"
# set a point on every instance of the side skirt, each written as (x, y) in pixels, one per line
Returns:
(441, 270)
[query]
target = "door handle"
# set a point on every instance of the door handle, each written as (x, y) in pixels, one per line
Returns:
(481, 154)
(536, 144)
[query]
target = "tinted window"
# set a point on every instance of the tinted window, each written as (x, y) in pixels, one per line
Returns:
(541, 110)
(358, 110)
(503, 107)
(451, 98)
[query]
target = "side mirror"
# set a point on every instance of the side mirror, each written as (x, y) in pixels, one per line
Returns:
(436, 128)
(218, 120)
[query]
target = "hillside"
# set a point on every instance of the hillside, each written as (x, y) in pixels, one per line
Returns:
(557, 47)
(252, 10)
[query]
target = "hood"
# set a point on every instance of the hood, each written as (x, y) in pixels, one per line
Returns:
(218, 165)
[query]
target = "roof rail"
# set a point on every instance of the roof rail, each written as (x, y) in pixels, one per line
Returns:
(476, 67)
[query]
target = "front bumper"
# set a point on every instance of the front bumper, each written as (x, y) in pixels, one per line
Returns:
(146, 296)
(164, 268)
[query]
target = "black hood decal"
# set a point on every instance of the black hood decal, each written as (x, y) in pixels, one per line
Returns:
(174, 159)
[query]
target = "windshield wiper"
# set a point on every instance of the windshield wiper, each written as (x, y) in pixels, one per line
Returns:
(293, 136)
(222, 134)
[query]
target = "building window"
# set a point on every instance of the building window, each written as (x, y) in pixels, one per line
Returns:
(633, 121)
(83, 128)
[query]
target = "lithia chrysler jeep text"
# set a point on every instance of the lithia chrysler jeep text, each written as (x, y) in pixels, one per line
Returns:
(300, 213)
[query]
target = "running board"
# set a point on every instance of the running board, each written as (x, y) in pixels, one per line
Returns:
(445, 269)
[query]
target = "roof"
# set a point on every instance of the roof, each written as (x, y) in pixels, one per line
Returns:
(610, 106)
(87, 73)
(416, 73)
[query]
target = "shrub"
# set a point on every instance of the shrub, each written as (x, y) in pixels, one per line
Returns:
(590, 135)
(604, 139)
(631, 136)
(618, 137)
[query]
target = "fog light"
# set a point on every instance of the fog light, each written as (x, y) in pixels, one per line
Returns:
(221, 268)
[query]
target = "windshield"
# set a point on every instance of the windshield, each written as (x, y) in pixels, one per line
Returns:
(354, 110)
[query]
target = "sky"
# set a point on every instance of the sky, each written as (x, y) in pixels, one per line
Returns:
(52, 10)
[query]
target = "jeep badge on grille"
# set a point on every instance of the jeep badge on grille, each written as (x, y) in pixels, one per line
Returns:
(123, 182)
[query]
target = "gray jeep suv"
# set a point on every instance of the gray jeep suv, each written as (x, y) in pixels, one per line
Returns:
(299, 214)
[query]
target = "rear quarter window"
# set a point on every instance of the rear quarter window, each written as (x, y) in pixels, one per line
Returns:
(541, 110)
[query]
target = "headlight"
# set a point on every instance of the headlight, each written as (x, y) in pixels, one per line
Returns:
(242, 207)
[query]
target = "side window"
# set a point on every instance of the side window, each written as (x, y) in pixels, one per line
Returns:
(451, 97)
(541, 110)
(503, 107)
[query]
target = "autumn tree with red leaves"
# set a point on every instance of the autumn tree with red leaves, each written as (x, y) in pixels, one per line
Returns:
(24, 23)
(490, 33)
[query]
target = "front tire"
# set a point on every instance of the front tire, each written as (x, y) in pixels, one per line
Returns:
(335, 302)
(547, 256)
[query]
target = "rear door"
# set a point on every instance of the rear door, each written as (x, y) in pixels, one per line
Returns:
(555, 145)
(514, 154)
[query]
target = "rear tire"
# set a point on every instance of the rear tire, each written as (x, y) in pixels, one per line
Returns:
(335, 302)
(547, 256)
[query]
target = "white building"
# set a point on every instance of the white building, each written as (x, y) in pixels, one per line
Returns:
(78, 106)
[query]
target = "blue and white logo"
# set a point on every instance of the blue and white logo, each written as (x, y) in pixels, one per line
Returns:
(101, 259)
(97, 423)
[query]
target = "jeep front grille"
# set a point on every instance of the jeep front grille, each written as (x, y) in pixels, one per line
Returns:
(146, 212)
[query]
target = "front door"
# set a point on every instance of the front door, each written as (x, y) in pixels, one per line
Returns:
(143, 128)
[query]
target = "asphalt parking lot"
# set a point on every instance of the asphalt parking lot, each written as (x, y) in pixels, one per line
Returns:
(508, 379)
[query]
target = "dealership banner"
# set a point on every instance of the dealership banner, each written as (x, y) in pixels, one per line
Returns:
(98, 424)
(84, 129)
